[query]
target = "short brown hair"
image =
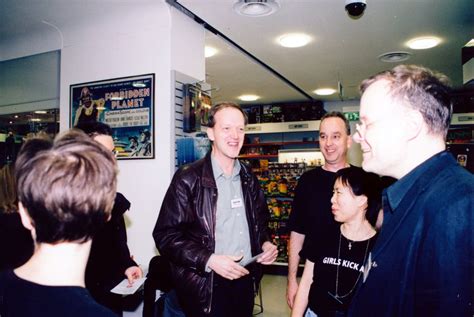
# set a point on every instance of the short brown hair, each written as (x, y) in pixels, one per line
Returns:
(423, 90)
(340, 115)
(212, 113)
(69, 189)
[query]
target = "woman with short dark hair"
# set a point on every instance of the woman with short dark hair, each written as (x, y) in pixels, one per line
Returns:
(335, 262)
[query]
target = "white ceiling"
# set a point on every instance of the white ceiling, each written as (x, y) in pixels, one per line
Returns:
(342, 48)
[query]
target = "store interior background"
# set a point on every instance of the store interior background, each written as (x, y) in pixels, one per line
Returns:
(45, 46)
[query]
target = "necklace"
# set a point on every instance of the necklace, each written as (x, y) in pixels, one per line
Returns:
(336, 295)
(349, 245)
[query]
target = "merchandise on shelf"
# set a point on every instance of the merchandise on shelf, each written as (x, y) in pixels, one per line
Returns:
(278, 182)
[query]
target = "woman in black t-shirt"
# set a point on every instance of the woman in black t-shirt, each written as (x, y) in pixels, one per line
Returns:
(335, 261)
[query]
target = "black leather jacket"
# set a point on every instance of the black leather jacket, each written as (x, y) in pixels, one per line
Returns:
(184, 231)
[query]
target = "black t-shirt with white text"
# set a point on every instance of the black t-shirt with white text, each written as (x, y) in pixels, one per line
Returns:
(334, 252)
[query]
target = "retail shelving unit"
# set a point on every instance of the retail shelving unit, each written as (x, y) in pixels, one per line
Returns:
(263, 143)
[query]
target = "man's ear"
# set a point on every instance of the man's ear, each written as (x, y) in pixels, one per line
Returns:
(25, 217)
(349, 141)
(210, 133)
(414, 124)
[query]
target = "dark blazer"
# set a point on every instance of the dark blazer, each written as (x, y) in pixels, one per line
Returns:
(184, 231)
(422, 263)
(110, 256)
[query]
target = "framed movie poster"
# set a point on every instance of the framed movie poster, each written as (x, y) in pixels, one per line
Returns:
(126, 104)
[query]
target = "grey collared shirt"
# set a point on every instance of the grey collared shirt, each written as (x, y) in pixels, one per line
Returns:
(232, 231)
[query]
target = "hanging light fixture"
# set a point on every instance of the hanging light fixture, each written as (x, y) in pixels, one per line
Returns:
(256, 8)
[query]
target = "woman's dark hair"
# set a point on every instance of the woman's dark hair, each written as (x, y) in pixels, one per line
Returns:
(363, 183)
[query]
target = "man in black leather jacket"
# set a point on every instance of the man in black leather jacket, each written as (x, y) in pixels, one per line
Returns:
(213, 221)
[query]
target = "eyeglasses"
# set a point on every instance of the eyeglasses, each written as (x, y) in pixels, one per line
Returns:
(361, 128)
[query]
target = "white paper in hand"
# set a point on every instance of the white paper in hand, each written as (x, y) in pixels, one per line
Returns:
(251, 260)
(123, 288)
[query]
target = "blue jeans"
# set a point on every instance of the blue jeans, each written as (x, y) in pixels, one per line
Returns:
(171, 307)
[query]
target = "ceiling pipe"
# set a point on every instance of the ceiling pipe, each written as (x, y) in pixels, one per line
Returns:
(210, 28)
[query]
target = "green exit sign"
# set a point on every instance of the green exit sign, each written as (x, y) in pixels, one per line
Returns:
(352, 116)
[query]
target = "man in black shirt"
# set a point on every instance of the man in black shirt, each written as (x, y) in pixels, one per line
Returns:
(311, 210)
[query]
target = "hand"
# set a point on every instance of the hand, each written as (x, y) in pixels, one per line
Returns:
(270, 253)
(226, 266)
(133, 273)
(291, 289)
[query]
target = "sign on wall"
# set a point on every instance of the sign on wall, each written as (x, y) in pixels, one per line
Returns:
(126, 105)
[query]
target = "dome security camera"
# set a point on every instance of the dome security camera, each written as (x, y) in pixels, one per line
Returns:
(355, 8)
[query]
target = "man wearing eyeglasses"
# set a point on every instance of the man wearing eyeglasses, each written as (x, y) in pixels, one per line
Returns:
(422, 263)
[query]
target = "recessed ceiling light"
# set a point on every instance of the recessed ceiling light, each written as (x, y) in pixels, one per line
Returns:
(249, 97)
(470, 43)
(294, 39)
(256, 8)
(16, 116)
(209, 51)
(11, 122)
(422, 43)
(324, 91)
(394, 57)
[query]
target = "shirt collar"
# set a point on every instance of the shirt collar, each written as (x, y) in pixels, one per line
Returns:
(218, 172)
(396, 192)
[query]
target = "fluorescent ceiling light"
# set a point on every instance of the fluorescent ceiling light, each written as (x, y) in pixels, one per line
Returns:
(40, 111)
(35, 119)
(256, 8)
(294, 39)
(324, 91)
(249, 97)
(209, 51)
(422, 43)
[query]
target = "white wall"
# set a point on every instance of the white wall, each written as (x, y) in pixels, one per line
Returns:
(162, 39)
(129, 38)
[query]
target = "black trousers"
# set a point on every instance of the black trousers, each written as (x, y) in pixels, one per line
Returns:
(232, 298)
(229, 298)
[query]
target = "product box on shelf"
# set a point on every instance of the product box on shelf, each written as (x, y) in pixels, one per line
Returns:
(278, 182)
